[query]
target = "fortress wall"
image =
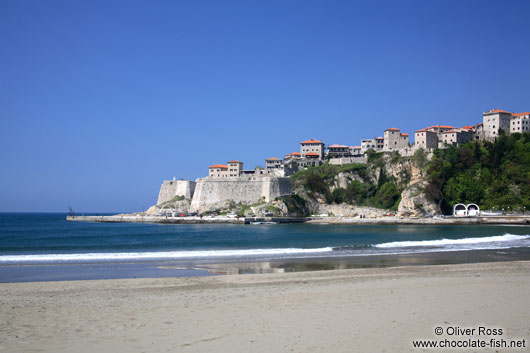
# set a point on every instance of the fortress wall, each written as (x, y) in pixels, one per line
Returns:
(171, 188)
(240, 189)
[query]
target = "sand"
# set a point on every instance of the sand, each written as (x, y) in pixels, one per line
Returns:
(362, 310)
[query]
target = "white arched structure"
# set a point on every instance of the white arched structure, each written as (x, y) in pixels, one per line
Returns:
(460, 210)
(473, 210)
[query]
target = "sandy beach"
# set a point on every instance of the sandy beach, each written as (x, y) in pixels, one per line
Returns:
(361, 310)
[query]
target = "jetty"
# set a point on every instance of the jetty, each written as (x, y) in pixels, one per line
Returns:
(123, 218)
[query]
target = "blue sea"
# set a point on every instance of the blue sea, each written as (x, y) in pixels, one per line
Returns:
(48, 239)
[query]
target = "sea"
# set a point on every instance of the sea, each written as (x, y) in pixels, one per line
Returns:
(44, 246)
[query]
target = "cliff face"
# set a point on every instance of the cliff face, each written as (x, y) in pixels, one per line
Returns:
(387, 183)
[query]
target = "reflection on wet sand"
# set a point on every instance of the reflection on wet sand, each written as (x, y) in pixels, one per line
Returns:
(356, 262)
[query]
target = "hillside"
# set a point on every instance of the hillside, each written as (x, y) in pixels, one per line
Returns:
(494, 175)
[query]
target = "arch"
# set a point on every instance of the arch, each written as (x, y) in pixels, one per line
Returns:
(473, 210)
(460, 210)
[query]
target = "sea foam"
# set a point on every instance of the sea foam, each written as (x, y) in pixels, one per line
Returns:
(162, 255)
(493, 242)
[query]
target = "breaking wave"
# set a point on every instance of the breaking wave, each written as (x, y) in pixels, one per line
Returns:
(154, 256)
(494, 242)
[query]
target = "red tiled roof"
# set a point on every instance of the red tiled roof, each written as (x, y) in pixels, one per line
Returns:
(449, 132)
(337, 146)
(235, 162)
(273, 159)
(356, 147)
(222, 166)
(379, 138)
(425, 130)
(392, 128)
(310, 141)
(404, 134)
(467, 127)
(498, 111)
(295, 154)
(311, 154)
(520, 114)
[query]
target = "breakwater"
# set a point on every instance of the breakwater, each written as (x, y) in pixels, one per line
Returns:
(517, 220)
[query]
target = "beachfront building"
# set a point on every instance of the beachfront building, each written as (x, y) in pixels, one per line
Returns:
(394, 140)
(520, 122)
(312, 147)
(338, 151)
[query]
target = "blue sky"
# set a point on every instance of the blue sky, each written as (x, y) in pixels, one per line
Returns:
(102, 100)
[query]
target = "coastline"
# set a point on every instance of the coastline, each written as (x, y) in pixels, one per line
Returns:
(212, 267)
(499, 220)
(340, 311)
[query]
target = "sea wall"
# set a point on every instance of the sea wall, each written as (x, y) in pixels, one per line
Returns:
(243, 189)
(171, 188)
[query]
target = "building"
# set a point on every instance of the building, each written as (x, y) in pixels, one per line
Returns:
(355, 151)
(312, 146)
(377, 144)
(394, 140)
(291, 156)
(520, 122)
(338, 151)
(273, 163)
(494, 121)
(457, 137)
(431, 137)
(218, 171)
(235, 168)
(426, 139)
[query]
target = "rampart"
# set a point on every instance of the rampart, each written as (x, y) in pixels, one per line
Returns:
(172, 188)
(245, 189)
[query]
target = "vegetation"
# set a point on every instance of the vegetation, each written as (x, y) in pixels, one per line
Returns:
(494, 175)
(295, 204)
(318, 182)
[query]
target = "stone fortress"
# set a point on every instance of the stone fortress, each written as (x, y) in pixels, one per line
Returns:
(231, 182)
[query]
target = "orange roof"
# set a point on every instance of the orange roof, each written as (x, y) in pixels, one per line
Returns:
(273, 159)
(235, 162)
(498, 111)
(479, 124)
(449, 132)
(356, 147)
(311, 154)
(337, 146)
(392, 128)
(467, 127)
(222, 166)
(295, 154)
(310, 141)
(425, 130)
(520, 114)
(379, 138)
(404, 134)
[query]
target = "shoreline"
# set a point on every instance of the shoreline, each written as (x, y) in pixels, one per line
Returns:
(365, 310)
(198, 268)
(498, 220)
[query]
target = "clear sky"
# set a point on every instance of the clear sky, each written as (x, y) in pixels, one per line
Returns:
(102, 100)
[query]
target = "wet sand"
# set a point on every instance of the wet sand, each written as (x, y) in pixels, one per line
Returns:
(360, 310)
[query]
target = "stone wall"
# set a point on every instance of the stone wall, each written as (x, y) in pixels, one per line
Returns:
(172, 188)
(241, 189)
